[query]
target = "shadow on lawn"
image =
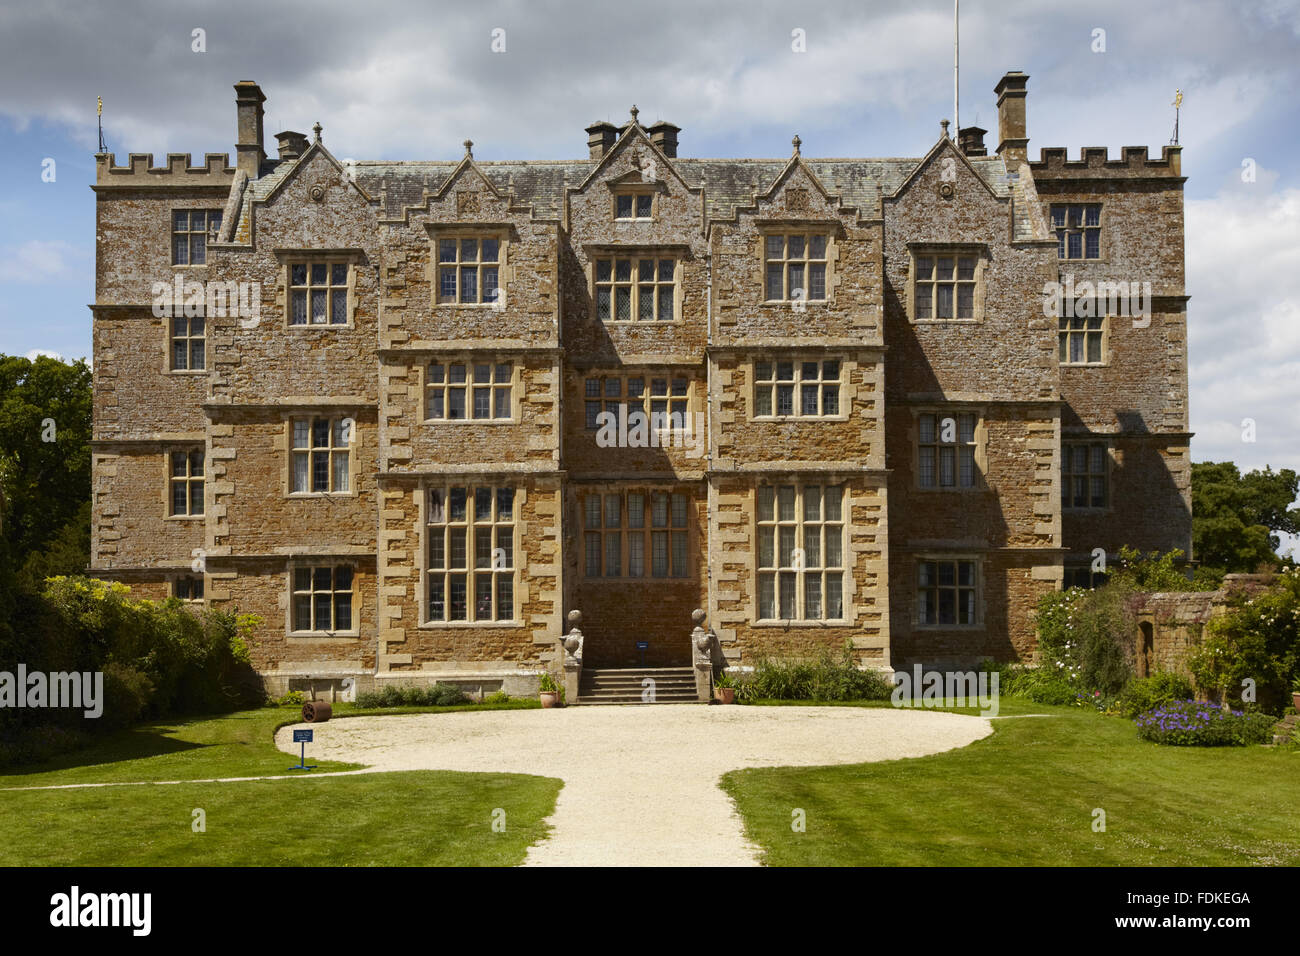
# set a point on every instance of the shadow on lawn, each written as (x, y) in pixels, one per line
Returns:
(134, 744)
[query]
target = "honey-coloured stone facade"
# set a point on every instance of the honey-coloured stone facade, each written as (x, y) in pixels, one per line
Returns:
(408, 475)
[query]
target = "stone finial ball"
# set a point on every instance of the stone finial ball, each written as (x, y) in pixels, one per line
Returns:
(571, 643)
(697, 616)
(575, 618)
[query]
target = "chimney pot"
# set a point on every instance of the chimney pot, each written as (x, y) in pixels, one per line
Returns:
(248, 133)
(1013, 135)
(664, 135)
(971, 141)
(601, 137)
(291, 144)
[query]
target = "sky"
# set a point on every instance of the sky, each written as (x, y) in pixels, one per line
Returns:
(523, 79)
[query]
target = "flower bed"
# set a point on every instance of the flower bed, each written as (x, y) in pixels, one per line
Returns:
(1191, 723)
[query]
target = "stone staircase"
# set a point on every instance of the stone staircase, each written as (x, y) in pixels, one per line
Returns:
(626, 685)
(1284, 728)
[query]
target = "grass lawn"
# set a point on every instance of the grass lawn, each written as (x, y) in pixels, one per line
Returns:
(1026, 796)
(396, 819)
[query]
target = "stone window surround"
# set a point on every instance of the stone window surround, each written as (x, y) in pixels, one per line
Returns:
(829, 230)
(1108, 473)
(1102, 250)
(499, 231)
(679, 253)
(315, 561)
(640, 189)
(978, 577)
(352, 258)
(668, 373)
(520, 559)
(847, 367)
(848, 588)
(981, 253)
(945, 410)
(469, 359)
(286, 451)
(1107, 326)
(174, 578)
(169, 337)
(186, 447)
(646, 531)
(172, 234)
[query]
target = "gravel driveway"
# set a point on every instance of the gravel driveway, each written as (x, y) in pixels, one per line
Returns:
(640, 782)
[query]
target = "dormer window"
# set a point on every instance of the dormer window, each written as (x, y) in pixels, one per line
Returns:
(634, 206)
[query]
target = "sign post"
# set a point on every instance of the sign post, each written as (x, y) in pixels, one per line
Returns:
(303, 737)
(641, 649)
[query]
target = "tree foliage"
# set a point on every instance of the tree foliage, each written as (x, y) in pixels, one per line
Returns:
(1236, 518)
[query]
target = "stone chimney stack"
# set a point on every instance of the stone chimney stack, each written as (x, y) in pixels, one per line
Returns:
(601, 137)
(291, 144)
(1013, 135)
(971, 141)
(248, 139)
(664, 135)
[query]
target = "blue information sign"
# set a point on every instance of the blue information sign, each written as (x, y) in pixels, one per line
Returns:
(303, 737)
(642, 645)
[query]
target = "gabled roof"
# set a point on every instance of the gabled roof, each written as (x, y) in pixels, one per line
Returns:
(728, 184)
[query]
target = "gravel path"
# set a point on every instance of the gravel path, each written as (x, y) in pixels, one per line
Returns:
(640, 782)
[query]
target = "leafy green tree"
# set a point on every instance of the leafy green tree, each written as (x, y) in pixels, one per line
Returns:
(45, 422)
(1236, 518)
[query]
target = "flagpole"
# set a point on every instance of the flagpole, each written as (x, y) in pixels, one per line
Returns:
(956, 112)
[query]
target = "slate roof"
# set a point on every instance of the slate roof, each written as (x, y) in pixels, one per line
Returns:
(728, 183)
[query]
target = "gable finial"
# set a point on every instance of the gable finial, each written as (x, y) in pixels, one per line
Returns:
(796, 143)
(317, 130)
(943, 123)
(469, 148)
(634, 112)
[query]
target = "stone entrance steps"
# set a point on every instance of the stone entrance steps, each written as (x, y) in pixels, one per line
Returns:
(626, 685)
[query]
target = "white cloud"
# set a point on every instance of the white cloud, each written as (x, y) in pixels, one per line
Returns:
(1244, 323)
(34, 354)
(39, 260)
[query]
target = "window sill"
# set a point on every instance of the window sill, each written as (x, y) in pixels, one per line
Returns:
(1086, 512)
(186, 371)
(812, 622)
(948, 627)
(974, 321)
(932, 489)
(471, 421)
(642, 322)
(317, 326)
(1084, 364)
(471, 305)
(323, 635)
(189, 265)
(799, 418)
(460, 625)
(790, 303)
(184, 518)
(320, 494)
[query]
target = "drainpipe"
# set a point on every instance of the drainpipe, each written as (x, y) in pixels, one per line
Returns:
(708, 427)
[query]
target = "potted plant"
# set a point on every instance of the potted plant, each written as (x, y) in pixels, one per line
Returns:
(1295, 694)
(549, 691)
(724, 688)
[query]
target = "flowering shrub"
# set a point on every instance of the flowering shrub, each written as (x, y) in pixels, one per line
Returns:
(1081, 636)
(1147, 693)
(1258, 639)
(1190, 723)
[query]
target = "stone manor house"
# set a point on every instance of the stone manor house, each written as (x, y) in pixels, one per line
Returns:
(412, 414)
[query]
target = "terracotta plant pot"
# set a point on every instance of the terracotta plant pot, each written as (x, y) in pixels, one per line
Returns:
(1295, 701)
(725, 695)
(550, 698)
